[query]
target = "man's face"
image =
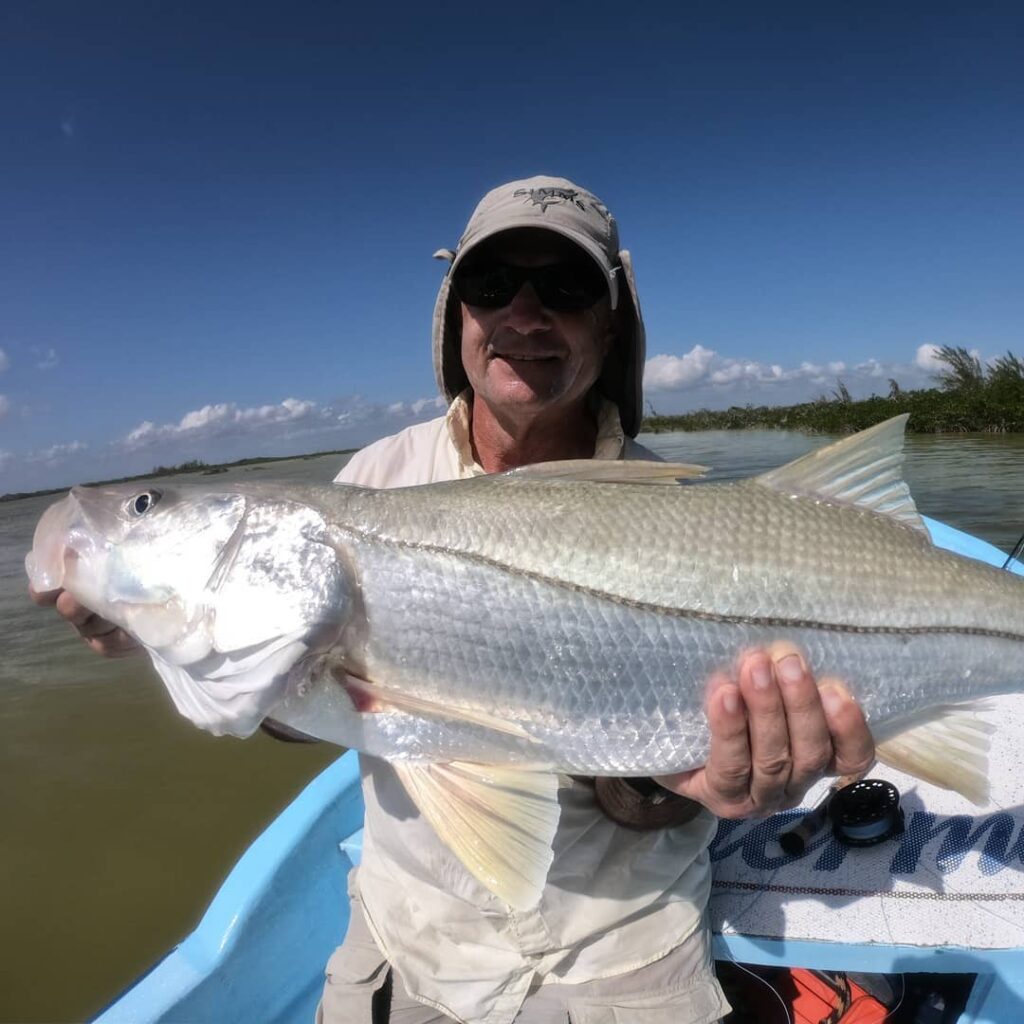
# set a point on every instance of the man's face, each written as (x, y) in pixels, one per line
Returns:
(525, 358)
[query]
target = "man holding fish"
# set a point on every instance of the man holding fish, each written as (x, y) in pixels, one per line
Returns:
(539, 347)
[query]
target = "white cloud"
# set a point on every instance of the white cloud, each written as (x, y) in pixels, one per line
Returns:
(672, 373)
(870, 368)
(5, 406)
(57, 453)
(6, 458)
(416, 409)
(205, 417)
(225, 418)
(733, 370)
(704, 377)
(927, 358)
(144, 430)
(293, 424)
(422, 405)
(48, 358)
(4, 361)
(705, 366)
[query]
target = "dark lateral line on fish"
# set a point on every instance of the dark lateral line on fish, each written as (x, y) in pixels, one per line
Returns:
(683, 613)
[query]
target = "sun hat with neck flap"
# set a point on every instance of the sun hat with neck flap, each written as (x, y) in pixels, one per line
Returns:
(558, 205)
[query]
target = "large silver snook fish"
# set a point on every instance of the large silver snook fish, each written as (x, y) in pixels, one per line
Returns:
(559, 619)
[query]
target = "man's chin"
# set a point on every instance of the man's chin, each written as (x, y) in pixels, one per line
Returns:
(537, 377)
(521, 394)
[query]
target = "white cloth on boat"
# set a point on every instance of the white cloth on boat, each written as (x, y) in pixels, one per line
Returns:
(616, 900)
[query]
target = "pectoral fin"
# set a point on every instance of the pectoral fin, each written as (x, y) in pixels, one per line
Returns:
(947, 746)
(499, 822)
(371, 696)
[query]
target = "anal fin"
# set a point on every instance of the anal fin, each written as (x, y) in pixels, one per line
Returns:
(947, 746)
(499, 821)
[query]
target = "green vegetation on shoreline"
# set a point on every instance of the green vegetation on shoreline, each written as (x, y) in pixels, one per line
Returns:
(970, 398)
(192, 466)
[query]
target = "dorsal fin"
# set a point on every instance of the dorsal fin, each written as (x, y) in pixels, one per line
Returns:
(865, 470)
(609, 471)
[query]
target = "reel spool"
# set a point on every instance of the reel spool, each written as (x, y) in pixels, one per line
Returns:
(866, 812)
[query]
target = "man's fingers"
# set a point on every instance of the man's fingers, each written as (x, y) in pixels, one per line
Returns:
(93, 627)
(770, 754)
(100, 635)
(44, 598)
(85, 620)
(809, 735)
(773, 734)
(115, 644)
(852, 743)
(727, 773)
(72, 610)
(722, 784)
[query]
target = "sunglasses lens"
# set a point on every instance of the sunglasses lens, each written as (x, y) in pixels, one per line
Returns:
(561, 287)
(490, 287)
(570, 287)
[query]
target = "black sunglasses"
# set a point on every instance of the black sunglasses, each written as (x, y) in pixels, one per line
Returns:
(561, 287)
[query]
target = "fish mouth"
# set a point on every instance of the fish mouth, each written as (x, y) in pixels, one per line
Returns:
(70, 547)
(52, 553)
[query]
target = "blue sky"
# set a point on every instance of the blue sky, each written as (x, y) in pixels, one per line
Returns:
(217, 219)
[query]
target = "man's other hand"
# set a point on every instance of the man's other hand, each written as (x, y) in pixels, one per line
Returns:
(774, 732)
(103, 637)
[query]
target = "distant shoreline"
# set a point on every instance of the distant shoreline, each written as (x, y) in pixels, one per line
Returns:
(931, 412)
(192, 466)
(971, 399)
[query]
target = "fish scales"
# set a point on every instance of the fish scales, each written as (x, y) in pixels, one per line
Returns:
(737, 550)
(601, 685)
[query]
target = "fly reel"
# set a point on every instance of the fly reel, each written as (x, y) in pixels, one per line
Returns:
(866, 812)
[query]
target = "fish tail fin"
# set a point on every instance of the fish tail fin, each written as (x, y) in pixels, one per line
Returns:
(947, 746)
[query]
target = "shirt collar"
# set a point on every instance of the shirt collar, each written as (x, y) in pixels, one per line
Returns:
(610, 441)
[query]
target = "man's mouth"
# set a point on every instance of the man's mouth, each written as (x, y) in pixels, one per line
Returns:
(525, 357)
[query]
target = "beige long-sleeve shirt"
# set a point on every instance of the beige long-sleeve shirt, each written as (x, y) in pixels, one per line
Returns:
(615, 899)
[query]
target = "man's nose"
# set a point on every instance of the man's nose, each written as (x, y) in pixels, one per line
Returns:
(526, 314)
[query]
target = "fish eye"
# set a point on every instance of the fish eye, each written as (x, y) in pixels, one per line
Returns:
(142, 503)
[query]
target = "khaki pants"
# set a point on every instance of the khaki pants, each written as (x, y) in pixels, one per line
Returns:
(680, 988)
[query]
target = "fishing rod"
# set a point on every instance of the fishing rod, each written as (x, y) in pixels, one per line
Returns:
(1018, 550)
